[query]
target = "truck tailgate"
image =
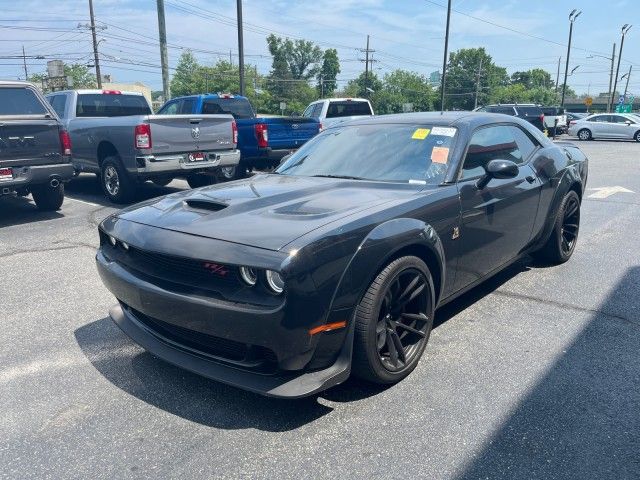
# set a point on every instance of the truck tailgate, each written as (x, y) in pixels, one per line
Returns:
(290, 132)
(190, 133)
(26, 142)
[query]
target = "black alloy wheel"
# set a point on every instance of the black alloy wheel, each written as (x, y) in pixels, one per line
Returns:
(570, 225)
(393, 321)
(564, 236)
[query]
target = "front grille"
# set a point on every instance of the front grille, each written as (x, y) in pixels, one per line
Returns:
(256, 358)
(200, 274)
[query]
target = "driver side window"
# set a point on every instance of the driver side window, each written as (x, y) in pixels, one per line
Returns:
(170, 109)
(490, 143)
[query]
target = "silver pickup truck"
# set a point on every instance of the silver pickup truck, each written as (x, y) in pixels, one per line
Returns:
(115, 135)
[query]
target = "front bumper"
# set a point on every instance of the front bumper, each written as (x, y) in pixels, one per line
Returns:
(152, 164)
(186, 327)
(282, 385)
(36, 175)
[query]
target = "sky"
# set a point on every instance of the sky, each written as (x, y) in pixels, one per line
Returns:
(407, 34)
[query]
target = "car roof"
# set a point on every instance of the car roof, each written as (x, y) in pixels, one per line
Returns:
(96, 91)
(458, 118)
(15, 82)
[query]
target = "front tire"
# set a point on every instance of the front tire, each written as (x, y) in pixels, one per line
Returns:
(48, 198)
(636, 137)
(564, 235)
(393, 321)
(585, 134)
(116, 183)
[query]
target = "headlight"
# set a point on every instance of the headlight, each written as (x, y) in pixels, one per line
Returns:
(249, 275)
(275, 281)
(113, 240)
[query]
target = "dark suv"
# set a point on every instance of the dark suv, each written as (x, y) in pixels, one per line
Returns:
(526, 111)
(35, 151)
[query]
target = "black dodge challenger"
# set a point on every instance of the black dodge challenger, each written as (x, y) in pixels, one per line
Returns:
(287, 282)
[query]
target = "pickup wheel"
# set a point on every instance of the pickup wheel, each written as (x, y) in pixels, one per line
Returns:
(116, 183)
(197, 180)
(48, 198)
(226, 174)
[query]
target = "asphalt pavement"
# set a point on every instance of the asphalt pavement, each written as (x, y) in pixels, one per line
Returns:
(534, 374)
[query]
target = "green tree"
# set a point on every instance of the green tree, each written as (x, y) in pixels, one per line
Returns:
(358, 86)
(328, 73)
(185, 78)
(462, 78)
(400, 87)
(512, 93)
(534, 78)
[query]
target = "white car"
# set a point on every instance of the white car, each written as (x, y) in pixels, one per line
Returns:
(622, 126)
(335, 110)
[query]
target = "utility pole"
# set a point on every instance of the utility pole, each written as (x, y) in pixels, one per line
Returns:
(24, 61)
(444, 61)
(610, 99)
(367, 63)
(230, 58)
(164, 57)
(95, 45)
(626, 87)
(240, 46)
(475, 103)
(321, 87)
(625, 28)
(558, 77)
(572, 17)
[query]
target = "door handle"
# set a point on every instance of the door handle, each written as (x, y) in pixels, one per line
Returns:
(530, 178)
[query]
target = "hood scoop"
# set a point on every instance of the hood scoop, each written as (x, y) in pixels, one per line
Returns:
(208, 205)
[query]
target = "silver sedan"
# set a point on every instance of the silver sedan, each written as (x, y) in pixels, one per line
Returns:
(620, 126)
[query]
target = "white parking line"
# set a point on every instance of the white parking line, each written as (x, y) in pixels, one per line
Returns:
(83, 201)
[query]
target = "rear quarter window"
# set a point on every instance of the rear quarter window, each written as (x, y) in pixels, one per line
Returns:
(20, 101)
(531, 111)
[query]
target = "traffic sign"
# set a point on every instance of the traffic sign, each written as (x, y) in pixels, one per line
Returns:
(588, 101)
(623, 108)
(621, 100)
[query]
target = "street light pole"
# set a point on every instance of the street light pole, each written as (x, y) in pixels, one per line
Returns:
(572, 17)
(95, 45)
(444, 61)
(240, 47)
(625, 28)
(610, 99)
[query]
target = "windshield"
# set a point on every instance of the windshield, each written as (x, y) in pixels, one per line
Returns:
(348, 108)
(384, 152)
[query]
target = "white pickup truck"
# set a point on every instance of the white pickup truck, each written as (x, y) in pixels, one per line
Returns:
(335, 110)
(116, 135)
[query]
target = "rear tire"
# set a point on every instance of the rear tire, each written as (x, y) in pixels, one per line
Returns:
(393, 321)
(48, 198)
(116, 183)
(564, 235)
(197, 180)
(636, 137)
(226, 174)
(585, 134)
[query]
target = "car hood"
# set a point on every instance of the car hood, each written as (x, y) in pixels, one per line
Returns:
(265, 211)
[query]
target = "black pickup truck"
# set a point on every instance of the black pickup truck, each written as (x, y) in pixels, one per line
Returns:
(35, 150)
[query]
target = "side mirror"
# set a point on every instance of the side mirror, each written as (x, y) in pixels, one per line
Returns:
(497, 169)
(628, 122)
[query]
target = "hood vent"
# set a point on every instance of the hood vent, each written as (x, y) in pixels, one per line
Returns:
(208, 205)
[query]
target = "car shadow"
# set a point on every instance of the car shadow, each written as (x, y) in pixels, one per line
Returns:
(86, 187)
(183, 393)
(581, 420)
(21, 210)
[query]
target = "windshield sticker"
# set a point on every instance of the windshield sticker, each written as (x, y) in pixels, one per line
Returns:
(417, 182)
(444, 131)
(439, 154)
(420, 133)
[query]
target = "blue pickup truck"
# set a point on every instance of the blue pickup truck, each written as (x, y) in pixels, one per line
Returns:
(262, 141)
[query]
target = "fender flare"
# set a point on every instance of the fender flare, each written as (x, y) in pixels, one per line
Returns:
(381, 245)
